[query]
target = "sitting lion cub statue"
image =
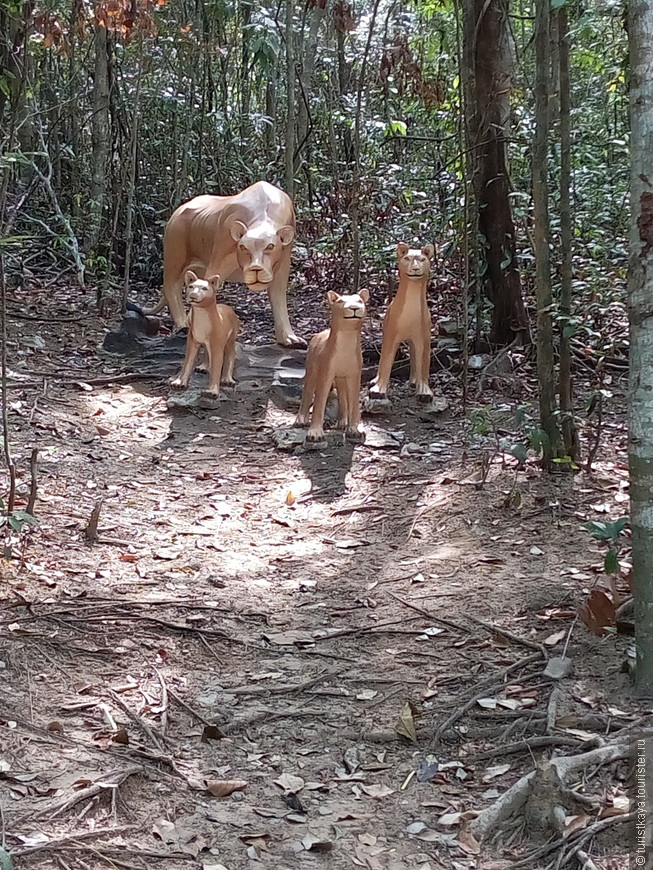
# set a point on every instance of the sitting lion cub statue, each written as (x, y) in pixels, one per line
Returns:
(335, 357)
(213, 326)
(408, 319)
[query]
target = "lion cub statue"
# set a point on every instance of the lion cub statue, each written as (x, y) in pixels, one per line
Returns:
(213, 326)
(335, 358)
(408, 319)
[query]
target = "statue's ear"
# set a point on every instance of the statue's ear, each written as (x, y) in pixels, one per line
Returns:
(237, 230)
(364, 295)
(215, 282)
(286, 235)
(402, 249)
(429, 251)
(332, 297)
(189, 278)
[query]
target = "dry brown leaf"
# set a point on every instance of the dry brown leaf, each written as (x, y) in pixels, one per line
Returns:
(405, 725)
(211, 732)
(555, 638)
(598, 613)
(316, 844)
(225, 787)
(468, 842)
(289, 782)
(378, 792)
(121, 736)
(575, 823)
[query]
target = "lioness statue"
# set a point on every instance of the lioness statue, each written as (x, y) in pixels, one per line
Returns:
(246, 237)
(408, 319)
(335, 357)
(213, 326)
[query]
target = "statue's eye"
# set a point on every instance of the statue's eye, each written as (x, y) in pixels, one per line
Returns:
(242, 247)
(270, 247)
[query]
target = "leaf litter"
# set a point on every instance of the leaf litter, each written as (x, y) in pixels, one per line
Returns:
(189, 521)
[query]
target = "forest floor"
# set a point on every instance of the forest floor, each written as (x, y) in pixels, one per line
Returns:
(308, 604)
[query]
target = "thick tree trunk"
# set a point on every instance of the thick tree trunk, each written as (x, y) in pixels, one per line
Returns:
(541, 235)
(640, 445)
(100, 141)
(487, 51)
(569, 432)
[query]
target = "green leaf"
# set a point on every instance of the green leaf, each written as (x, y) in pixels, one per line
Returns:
(24, 517)
(610, 563)
(520, 451)
(399, 128)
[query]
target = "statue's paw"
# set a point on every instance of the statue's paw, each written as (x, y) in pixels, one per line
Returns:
(177, 384)
(300, 423)
(210, 394)
(425, 398)
(377, 395)
(355, 436)
(229, 383)
(292, 341)
(315, 438)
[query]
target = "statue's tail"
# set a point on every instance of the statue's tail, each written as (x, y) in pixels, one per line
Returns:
(158, 308)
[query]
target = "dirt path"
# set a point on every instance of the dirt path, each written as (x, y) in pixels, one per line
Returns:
(303, 603)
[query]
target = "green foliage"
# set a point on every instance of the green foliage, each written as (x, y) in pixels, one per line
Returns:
(609, 533)
(17, 519)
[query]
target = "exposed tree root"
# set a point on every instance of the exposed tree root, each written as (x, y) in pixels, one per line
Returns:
(515, 799)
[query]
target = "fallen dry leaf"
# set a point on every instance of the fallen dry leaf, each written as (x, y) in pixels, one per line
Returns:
(289, 782)
(225, 787)
(405, 725)
(377, 791)
(598, 613)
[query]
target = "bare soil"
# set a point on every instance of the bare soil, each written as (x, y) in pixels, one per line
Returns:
(230, 674)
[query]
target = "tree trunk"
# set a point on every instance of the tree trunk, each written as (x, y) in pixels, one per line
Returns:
(640, 292)
(355, 192)
(100, 141)
(308, 67)
(541, 235)
(271, 112)
(290, 110)
(569, 432)
(487, 50)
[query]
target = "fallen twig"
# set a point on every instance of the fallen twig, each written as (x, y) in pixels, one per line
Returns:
(497, 629)
(531, 743)
(164, 703)
(110, 780)
(140, 722)
(72, 839)
(481, 691)
(427, 614)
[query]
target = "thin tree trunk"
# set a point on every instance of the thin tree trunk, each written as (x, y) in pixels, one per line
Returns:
(569, 433)
(100, 132)
(290, 110)
(132, 179)
(541, 235)
(308, 67)
(271, 112)
(356, 181)
(640, 290)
